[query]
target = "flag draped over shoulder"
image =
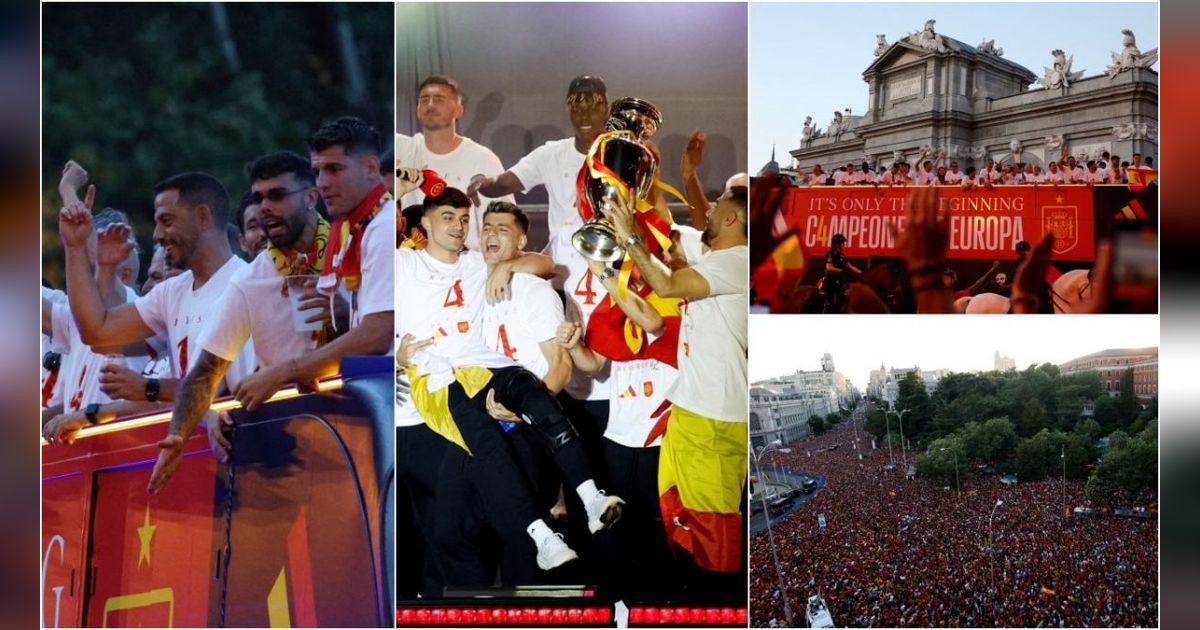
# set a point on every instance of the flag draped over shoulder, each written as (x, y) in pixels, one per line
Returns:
(701, 478)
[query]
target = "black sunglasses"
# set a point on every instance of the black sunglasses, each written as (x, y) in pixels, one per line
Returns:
(275, 195)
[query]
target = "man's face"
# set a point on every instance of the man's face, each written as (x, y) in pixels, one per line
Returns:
(1054, 167)
(588, 117)
(721, 217)
(990, 163)
(447, 227)
(1001, 278)
(1071, 162)
(954, 167)
(343, 180)
(1137, 159)
(158, 270)
(503, 238)
(1092, 167)
(253, 240)
(284, 204)
(176, 228)
(438, 108)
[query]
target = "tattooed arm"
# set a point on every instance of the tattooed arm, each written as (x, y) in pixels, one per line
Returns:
(192, 401)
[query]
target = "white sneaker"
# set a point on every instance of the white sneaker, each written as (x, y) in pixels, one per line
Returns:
(553, 552)
(603, 511)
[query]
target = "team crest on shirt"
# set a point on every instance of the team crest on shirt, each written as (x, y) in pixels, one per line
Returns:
(463, 327)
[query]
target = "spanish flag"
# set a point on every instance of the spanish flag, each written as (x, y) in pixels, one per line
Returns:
(783, 269)
(701, 478)
(434, 406)
(1140, 178)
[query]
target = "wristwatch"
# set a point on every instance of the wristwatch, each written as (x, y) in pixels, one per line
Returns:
(607, 273)
(152, 389)
(633, 239)
(90, 412)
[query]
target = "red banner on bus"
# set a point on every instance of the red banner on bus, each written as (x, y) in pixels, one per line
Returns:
(984, 223)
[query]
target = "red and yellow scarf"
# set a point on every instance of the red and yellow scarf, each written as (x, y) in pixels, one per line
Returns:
(346, 236)
(293, 263)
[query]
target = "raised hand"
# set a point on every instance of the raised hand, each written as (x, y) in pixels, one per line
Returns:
(113, 244)
(75, 221)
(73, 178)
(693, 154)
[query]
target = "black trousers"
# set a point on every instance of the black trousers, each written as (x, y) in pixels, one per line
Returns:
(419, 453)
(494, 483)
(638, 563)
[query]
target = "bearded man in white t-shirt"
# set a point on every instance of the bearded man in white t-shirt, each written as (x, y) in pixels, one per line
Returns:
(344, 158)
(190, 213)
(439, 148)
(710, 396)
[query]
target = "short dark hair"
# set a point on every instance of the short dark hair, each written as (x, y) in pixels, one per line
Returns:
(412, 215)
(107, 217)
(1136, 154)
(441, 79)
(1091, 163)
(452, 197)
(1149, 161)
(351, 133)
(505, 207)
(246, 201)
(277, 163)
(196, 188)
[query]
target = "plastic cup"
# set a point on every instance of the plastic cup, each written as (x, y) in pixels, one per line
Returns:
(298, 287)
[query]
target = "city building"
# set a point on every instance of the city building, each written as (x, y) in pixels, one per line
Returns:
(1111, 365)
(780, 407)
(1003, 363)
(931, 90)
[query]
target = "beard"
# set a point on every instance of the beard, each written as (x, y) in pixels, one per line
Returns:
(709, 234)
(295, 227)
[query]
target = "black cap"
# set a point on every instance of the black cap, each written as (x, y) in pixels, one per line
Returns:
(839, 238)
(587, 85)
(1022, 246)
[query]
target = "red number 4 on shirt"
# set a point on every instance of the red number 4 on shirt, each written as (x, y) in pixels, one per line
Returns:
(586, 292)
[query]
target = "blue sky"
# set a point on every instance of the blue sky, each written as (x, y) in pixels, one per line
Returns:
(807, 59)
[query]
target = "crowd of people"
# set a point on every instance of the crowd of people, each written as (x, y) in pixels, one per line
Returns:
(550, 402)
(933, 169)
(897, 552)
(238, 300)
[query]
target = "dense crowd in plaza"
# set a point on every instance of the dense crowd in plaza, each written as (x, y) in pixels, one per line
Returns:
(900, 553)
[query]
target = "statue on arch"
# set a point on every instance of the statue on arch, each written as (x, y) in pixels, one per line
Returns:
(1059, 75)
(988, 46)
(810, 132)
(928, 39)
(1130, 57)
(881, 44)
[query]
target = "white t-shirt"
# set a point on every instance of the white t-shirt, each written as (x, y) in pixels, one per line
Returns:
(516, 326)
(815, 179)
(1074, 176)
(445, 302)
(173, 308)
(1096, 177)
(584, 292)
(457, 167)
(55, 297)
(376, 289)
(1053, 177)
(79, 371)
(953, 177)
(712, 340)
(254, 308)
(639, 388)
(554, 165)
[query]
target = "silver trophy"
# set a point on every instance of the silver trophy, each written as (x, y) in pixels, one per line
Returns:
(623, 154)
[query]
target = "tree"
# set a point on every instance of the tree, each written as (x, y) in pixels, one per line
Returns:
(1129, 467)
(1126, 399)
(942, 460)
(816, 424)
(1032, 418)
(1107, 415)
(913, 397)
(876, 423)
(832, 419)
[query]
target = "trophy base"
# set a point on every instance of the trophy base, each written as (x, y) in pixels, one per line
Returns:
(595, 241)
